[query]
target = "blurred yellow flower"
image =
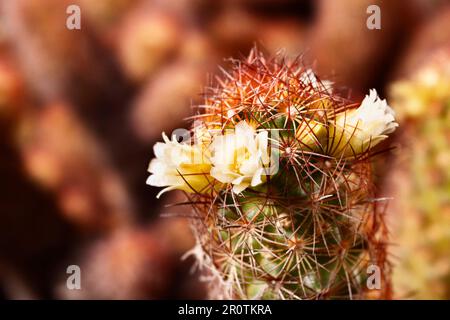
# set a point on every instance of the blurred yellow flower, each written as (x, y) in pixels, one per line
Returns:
(429, 86)
(240, 157)
(180, 166)
(355, 131)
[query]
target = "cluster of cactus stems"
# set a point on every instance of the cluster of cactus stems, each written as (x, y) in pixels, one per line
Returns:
(282, 189)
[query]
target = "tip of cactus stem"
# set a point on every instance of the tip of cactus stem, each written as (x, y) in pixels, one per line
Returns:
(283, 195)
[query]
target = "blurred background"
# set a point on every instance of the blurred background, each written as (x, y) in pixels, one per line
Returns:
(81, 109)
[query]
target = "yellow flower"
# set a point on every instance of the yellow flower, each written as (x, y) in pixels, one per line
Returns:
(240, 157)
(355, 131)
(428, 87)
(180, 166)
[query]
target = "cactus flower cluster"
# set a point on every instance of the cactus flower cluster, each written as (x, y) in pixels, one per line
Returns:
(278, 170)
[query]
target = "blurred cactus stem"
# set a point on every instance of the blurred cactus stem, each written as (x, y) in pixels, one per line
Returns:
(283, 196)
(421, 180)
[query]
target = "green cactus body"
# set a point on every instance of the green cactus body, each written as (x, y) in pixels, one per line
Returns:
(311, 228)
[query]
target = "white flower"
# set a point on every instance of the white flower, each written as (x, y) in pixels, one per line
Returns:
(179, 166)
(309, 78)
(240, 157)
(355, 131)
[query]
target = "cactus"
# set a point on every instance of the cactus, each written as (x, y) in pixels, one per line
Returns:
(279, 175)
(420, 179)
